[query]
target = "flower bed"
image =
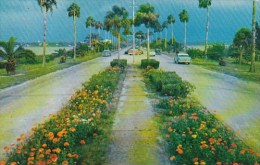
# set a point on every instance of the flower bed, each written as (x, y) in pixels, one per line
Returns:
(195, 136)
(59, 139)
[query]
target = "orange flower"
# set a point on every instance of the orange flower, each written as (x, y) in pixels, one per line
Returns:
(49, 161)
(53, 157)
(66, 144)
(18, 151)
(6, 148)
(69, 155)
(51, 135)
(170, 129)
(41, 163)
(242, 152)
(48, 151)
(2, 163)
(13, 163)
(213, 130)
(75, 156)
(57, 150)
(72, 129)
(82, 142)
(60, 134)
(65, 162)
(195, 159)
(20, 147)
(180, 151)
(218, 163)
(234, 145)
(212, 141)
(32, 154)
(235, 164)
(55, 140)
(18, 139)
(202, 162)
(41, 150)
(41, 155)
(172, 158)
(256, 163)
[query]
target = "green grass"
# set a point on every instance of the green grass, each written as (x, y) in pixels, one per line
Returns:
(240, 71)
(26, 72)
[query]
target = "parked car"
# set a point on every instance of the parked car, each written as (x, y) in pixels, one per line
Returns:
(152, 53)
(182, 58)
(158, 51)
(106, 53)
(136, 52)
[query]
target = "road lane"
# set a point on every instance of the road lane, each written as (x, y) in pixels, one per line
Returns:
(234, 101)
(30, 103)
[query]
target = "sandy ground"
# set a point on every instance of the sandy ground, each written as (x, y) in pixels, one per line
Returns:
(234, 101)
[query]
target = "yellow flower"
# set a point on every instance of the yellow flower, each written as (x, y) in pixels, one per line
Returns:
(194, 136)
(214, 130)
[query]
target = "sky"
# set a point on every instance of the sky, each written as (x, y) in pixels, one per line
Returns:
(24, 19)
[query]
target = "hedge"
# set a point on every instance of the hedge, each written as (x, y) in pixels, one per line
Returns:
(122, 63)
(152, 62)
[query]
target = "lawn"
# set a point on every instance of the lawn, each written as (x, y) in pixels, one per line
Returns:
(31, 71)
(240, 71)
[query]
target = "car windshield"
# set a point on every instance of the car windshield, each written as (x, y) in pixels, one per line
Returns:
(183, 55)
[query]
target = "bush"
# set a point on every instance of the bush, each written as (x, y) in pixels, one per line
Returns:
(62, 59)
(216, 51)
(195, 53)
(122, 63)
(222, 62)
(169, 83)
(2, 65)
(152, 62)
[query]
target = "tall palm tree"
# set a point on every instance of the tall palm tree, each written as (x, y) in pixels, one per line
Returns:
(206, 4)
(114, 21)
(127, 23)
(171, 20)
(252, 67)
(99, 26)
(89, 23)
(74, 11)
(10, 53)
(165, 26)
(184, 17)
(146, 15)
(46, 5)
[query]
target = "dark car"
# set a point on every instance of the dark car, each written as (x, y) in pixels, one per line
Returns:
(158, 51)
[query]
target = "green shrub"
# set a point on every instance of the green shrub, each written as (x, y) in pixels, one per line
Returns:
(152, 62)
(169, 83)
(195, 53)
(222, 62)
(122, 63)
(216, 51)
(62, 59)
(2, 65)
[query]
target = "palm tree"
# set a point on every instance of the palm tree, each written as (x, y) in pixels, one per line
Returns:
(127, 23)
(184, 17)
(114, 21)
(147, 16)
(98, 25)
(47, 5)
(206, 4)
(89, 23)
(9, 53)
(171, 20)
(252, 67)
(165, 26)
(74, 11)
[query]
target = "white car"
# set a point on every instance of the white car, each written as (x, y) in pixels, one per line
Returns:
(182, 58)
(106, 53)
(152, 53)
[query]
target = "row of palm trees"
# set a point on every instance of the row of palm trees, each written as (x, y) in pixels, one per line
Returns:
(117, 18)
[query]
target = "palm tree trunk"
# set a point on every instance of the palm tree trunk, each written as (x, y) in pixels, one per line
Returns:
(118, 46)
(161, 36)
(98, 32)
(165, 41)
(185, 33)
(148, 44)
(172, 33)
(241, 56)
(207, 34)
(75, 35)
(90, 37)
(252, 67)
(44, 36)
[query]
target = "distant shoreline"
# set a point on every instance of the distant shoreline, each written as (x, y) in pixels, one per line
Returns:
(38, 50)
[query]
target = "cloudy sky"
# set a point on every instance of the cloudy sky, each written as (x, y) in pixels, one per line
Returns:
(24, 19)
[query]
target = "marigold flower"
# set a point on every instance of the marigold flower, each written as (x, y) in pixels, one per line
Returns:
(196, 163)
(48, 151)
(51, 135)
(65, 162)
(69, 155)
(41, 155)
(195, 159)
(194, 136)
(234, 145)
(6, 148)
(170, 129)
(32, 154)
(72, 129)
(18, 151)
(218, 163)
(256, 163)
(66, 144)
(213, 130)
(242, 152)
(30, 163)
(18, 139)
(13, 163)
(180, 151)
(211, 140)
(82, 142)
(49, 161)
(2, 163)
(41, 163)
(53, 157)
(202, 163)
(55, 140)
(76, 156)
(57, 150)
(235, 164)
(172, 158)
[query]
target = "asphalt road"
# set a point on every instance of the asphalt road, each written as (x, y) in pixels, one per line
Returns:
(30, 103)
(234, 101)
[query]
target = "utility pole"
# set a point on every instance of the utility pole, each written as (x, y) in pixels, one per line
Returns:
(133, 6)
